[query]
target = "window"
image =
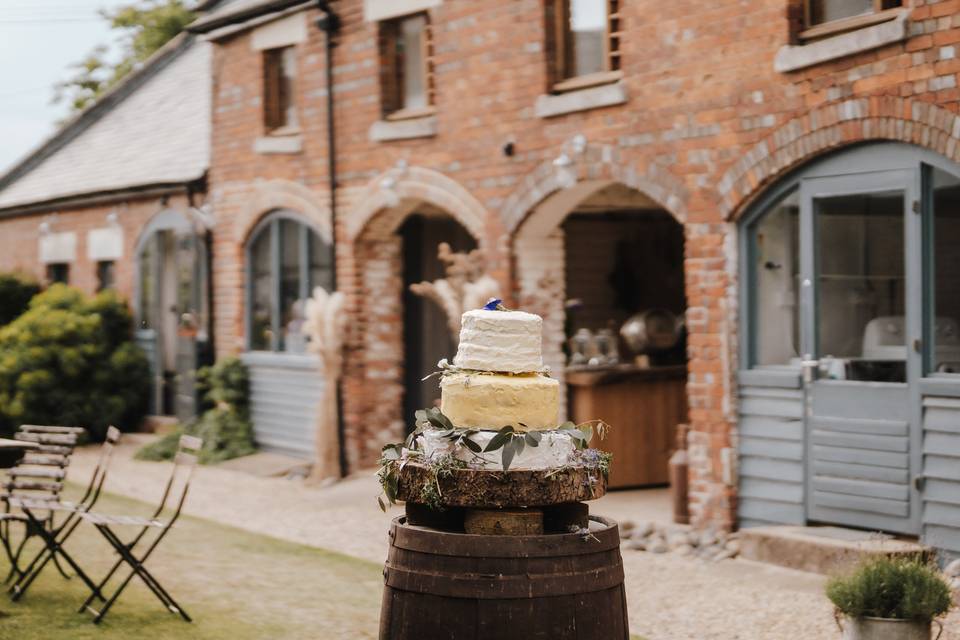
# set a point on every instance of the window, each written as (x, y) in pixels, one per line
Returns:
(58, 272)
(943, 241)
(830, 16)
(279, 74)
(286, 260)
(106, 274)
(775, 270)
(406, 54)
(586, 40)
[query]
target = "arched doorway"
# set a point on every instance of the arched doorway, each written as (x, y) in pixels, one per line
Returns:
(426, 337)
(850, 328)
(172, 308)
(392, 236)
(589, 258)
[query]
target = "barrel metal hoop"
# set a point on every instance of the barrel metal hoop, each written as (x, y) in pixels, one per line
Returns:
(442, 543)
(496, 587)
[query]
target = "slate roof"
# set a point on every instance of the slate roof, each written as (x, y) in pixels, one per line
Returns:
(152, 129)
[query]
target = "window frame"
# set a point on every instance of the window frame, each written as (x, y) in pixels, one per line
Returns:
(813, 31)
(861, 158)
(562, 78)
(53, 277)
(270, 224)
(391, 72)
(278, 97)
(109, 268)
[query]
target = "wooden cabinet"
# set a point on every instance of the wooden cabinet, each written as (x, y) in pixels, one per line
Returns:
(643, 408)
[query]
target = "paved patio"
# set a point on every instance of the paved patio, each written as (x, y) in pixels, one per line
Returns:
(670, 597)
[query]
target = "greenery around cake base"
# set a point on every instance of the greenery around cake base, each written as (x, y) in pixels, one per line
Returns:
(509, 440)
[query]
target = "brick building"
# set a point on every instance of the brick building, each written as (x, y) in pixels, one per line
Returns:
(801, 155)
(113, 200)
(518, 120)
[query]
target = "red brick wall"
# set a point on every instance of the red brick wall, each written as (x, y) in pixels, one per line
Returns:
(708, 124)
(20, 236)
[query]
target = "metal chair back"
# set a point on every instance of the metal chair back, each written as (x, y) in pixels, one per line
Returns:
(99, 476)
(175, 493)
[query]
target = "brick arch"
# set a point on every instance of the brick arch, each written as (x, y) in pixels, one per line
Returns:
(413, 184)
(270, 195)
(372, 277)
(598, 162)
(532, 217)
(832, 127)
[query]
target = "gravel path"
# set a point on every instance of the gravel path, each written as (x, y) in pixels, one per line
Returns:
(670, 597)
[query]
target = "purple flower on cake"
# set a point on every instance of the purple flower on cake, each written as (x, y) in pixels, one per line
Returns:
(493, 304)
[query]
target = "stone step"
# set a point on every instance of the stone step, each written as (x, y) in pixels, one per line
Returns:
(825, 549)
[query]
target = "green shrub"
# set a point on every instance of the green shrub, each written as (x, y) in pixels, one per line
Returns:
(902, 588)
(68, 360)
(15, 294)
(224, 425)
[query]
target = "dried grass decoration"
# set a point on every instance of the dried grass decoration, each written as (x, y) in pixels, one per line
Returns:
(466, 285)
(326, 325)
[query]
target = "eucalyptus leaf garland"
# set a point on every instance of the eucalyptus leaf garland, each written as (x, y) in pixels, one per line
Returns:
(508, 440)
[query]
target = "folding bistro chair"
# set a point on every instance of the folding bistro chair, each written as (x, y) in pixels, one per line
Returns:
(173, 498)
(39, 475)
(55, 536)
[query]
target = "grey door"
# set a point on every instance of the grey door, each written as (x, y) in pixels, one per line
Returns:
(171, 306)
(860, 307)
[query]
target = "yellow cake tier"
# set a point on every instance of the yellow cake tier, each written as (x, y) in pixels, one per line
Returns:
(492, 401)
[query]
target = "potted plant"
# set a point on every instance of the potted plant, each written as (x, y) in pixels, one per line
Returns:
(890, 599)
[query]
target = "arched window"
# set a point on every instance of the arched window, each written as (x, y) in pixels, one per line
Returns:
(286, 259)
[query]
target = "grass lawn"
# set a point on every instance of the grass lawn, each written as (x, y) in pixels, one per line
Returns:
(235, 585)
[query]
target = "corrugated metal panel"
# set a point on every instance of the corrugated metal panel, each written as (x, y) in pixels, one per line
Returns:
(771, 448)
(285, 393)
(941, 467)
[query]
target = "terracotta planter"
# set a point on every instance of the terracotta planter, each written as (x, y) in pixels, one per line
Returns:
(867, 628)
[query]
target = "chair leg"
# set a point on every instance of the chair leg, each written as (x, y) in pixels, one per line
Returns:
(15, 558)
(137, 568)
(56, 563)
(8, 550)
(55, 549)
(46, 554)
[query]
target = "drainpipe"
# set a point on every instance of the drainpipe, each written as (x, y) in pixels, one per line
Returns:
(329, 23)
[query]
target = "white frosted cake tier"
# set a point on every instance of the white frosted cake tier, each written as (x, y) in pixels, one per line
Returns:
(492, 401)
(555, 450)
(504, 341)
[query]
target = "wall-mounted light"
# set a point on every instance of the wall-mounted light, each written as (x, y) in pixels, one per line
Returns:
(578, 143)
(113, 219)
(388, 186)
(566, 172)
(389, 183)
(46, 225)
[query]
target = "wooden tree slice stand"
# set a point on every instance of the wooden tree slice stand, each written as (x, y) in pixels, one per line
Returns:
(515, 502)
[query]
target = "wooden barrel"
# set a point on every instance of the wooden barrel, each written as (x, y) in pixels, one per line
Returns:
(457, 586)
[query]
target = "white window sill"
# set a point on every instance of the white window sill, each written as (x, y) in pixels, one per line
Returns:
(273, 144)
(387, 130)
(793, 57)
(606, 95)
(374, 10)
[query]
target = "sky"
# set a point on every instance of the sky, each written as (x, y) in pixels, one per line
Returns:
(39, 40)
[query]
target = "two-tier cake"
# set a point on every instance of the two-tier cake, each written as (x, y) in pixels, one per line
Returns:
(498, 380)
(499, 412)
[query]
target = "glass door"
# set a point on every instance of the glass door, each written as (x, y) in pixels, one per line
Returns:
(860, 320)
